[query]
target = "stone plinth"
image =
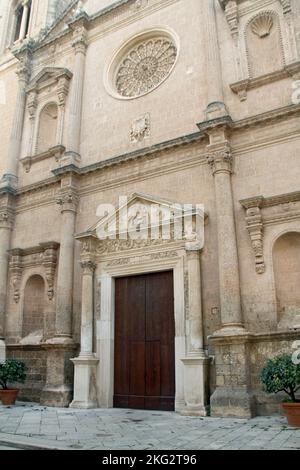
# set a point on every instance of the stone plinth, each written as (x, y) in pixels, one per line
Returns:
(85, 388)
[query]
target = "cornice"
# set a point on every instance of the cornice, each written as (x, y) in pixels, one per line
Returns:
(147, 151)
(243, 86)
(261, 201)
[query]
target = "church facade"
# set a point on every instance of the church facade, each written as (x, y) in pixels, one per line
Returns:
(142, 107)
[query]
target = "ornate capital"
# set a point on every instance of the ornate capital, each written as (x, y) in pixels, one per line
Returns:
(220, 158)
(88, 267)
(68, 200)
(79, 41)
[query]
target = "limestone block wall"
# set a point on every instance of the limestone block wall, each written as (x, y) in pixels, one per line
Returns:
(34, 358)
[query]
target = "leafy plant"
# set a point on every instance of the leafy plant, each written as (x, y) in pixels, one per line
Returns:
(12, 371)
(282, 375)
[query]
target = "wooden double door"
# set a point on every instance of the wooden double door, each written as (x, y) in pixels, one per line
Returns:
(144, 365)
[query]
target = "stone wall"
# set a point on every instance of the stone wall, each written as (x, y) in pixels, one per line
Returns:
(35, 359)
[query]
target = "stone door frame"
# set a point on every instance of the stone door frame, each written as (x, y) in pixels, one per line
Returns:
(106, 273)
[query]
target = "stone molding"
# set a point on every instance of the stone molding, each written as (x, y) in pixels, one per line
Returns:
(40, 93)
(56, 152)
(44, 255)
(242, 87)
(261, 212)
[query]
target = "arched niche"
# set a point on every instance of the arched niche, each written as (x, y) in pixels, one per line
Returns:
(47, 128)
(286, 265)
(34, 308)
(264, 44)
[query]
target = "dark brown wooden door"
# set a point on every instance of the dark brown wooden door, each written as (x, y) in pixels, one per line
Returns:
(144, 342)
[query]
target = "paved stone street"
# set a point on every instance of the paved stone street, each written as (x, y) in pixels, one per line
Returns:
(31, 426)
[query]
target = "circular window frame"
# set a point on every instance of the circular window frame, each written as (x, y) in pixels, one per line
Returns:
(111, 70)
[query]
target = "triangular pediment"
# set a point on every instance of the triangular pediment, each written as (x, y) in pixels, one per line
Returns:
(143, 216)
(48, 75)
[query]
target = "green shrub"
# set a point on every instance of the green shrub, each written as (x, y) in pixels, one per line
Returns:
(12, 371)
(281, 375)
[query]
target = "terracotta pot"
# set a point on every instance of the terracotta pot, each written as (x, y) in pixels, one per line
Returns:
(292, 411)
(8, 397)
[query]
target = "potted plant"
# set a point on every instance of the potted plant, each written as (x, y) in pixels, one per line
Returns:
(11, 371)
(282, 375)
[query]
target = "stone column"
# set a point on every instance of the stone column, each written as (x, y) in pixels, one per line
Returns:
(196, 360)
(215, 98)
(60, 348)
(75, 104)
(64, 305)
(220, 160)
(6, 225)
(87, 309)
(25, 17)
(11, 174)
(85, 390)
(230, 343)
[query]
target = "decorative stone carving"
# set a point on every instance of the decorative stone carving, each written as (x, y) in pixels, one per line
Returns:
(88, 267)
(114, 246)
(261, 212)
(255, 229)
(140, 129)
(68, 200)
(232, 17)
(287, 6)
(220, 158)
(262, 24)
(43, 255)
(140, 4)
(80, 39)
(145, 66)
(50, 262)
(16, 273)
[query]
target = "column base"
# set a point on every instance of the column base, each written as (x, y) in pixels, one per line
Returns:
(195, 385)
(229, 402)
(2, 351)
(57, 396)
(85, 388)
(232, 396)
(59, 376)
(231, 329)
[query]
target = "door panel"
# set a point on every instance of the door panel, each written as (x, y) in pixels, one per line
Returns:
(144, 342)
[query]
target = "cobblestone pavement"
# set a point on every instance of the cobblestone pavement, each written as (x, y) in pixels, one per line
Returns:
(113, 429)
